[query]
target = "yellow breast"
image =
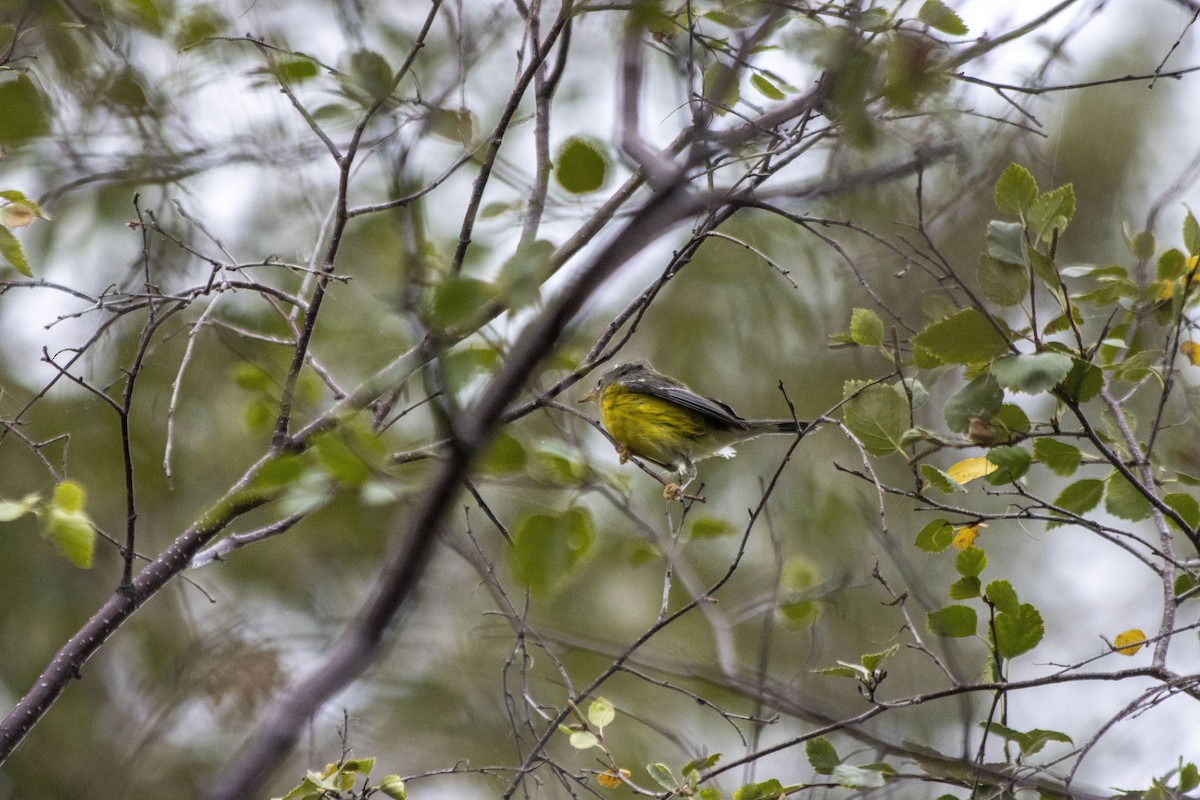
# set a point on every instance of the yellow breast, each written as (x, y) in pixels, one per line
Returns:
(650, 426)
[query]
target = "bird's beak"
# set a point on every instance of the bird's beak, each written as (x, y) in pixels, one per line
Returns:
(591, 397)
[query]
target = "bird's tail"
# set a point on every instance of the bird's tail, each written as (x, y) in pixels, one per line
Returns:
(793, 426)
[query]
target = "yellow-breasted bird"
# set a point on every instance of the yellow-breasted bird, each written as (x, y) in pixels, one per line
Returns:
(659, 419)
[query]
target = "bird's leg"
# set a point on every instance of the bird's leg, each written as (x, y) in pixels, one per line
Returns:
(623, 454)
(687, 474)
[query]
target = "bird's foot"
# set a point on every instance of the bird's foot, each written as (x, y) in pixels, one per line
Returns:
(673, 491)
(623, 454)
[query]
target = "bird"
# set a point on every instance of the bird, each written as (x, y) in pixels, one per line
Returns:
(660, 420)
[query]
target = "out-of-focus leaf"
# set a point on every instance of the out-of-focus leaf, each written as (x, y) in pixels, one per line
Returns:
(721, 86)
(548, 547)
(23, 114)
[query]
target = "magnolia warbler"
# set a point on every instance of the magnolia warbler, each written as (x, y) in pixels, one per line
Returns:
(659, 419)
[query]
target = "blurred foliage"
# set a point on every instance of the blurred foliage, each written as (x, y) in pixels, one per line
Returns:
(150, 157)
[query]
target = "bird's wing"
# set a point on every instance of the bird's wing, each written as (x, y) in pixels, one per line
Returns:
(676, 392)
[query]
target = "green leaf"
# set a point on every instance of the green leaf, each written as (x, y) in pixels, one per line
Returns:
(1002, 595)
(1044, 267)
(1123, 499)
(858, 777)
(698, 765)
(1012, 460)
(710, 527)
(766, 790)
(878, 416)
(1141, 245)
(866, 328)
(1030, 742)
(955, 621)
(463, 364)
(69, 496)
(1172, 265)
(851, 75)
(965, 588)
(821, 755)
(726, 19)
(504, 456)
(458, 301)
(199, 24)
(455, 125)
(1059, 457)
(15, 509)
(843, 671)
(663, 776)
(581, 165)
(1012, 420)
(522, 275)
(875, 20)
(1191, 233)
(1189, 777)
(1080, 497)
(1186, 583)
(548, 547)
(1137, 366)
(1063, 322)
(980, 399)
(583, 740)
(1038, 738)
(1002, 282)
(1186, 505)
(968, 337)
(941, 17)
(372, 73)
(720, 87)
(341, 461)
(393, 787)
(1052, 210)
(72, 533)
(1033, 373)
(1018, 631)
(971, 561)
(873, 661)
(935, 536)
(252, 377)
(19, 211)
(1083, 382)
(1016, 190)
(362, 766)
(766, 88)
(11, 250)
(295, 68)
(600, 713)
(24, 115)
(938, 479)
(1006, 242)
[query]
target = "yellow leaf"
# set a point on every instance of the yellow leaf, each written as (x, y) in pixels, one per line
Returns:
(1192, 351)
(1166, 289)
(1129, 642)
(971, 468)
(16, 215)
(965, 537)
(611, 779)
